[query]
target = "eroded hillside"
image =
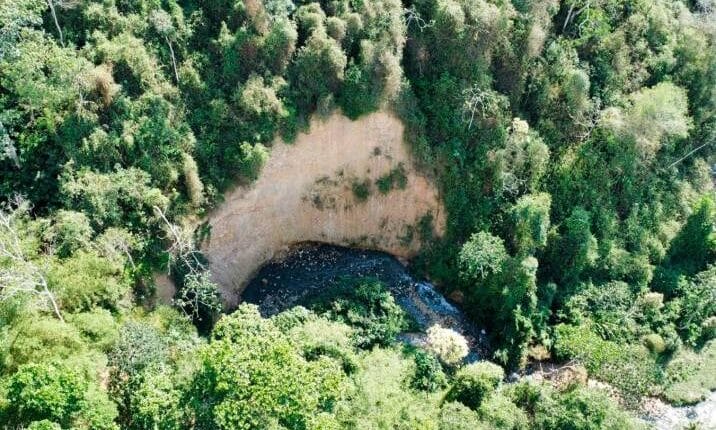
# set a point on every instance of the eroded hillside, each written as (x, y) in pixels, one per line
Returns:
(345, 182)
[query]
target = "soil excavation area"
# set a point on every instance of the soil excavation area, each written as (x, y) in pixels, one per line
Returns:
(348, 183)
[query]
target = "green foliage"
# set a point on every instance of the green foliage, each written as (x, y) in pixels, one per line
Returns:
(123, 197)
(199, 297)
(87, 280)
(690, 375)
(253, 159)
(396, 178)
(693, 247)
(657, 113)
(580, 408)
(574, 251)
(157, 402)
(71, 232)
(501, 414)
(97, 327)
(629, 368)
(38, 339)
(610, 308)
(367, 306)
(356, 98)
(59, 394)
(520, 165)
(654, 343)
(429, 375)
(251, 376)
(383, 373)
(456, 416)
(482, 256)
(316, 336)
(139, 348)
(474, 383)
(321, 56)
(361, 190)
(697, 307)
(531, 215)
(580, 132)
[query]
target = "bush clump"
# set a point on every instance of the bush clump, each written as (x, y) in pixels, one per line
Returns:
(364, 304)
(474, 382)
(429, 375)
(447, 344)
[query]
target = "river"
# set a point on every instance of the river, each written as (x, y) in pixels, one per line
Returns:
(285, 281)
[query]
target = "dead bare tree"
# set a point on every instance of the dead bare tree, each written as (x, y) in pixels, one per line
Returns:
(57, 23)
(7, 147)
(478, 101)
(162, 22)
(182, 249)
(412, 16)
(198, 290)
(571, 15)
(18, 273)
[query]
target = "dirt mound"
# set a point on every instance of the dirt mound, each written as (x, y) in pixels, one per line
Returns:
(349, 183)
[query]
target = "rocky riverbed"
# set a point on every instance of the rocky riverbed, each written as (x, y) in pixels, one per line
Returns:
(285, 281)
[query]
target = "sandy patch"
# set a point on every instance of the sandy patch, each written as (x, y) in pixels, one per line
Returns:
(306, 193)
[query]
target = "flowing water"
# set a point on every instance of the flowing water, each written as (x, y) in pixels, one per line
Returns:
(284, 282)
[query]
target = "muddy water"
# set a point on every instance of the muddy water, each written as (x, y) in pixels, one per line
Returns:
(284, 282)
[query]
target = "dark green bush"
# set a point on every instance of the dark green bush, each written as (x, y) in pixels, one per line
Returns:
(474, 382)
(361, 190)
(429, 375)
(364, 304)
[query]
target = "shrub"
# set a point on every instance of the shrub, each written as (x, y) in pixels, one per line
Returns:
(482, 255)
(361, 190)
(253, 159)
(531, 218)
(429, 375)
(396, 178)
(474, 382)
(456, 416)
(58, 393)
(630, 368)
(192, 181)
(447, 344)
(44, 425)
(97, 327)
(501, 414)
(382, 374)
(697, 303)
(520, 165)
(37, 339)
(87, 280)
(654, 343)
(251, 376)
(580, 409)
(357, 97)
(72, 231)
(691, 376)
(364, 304)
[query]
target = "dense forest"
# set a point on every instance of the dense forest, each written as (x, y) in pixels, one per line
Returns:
(573, 143)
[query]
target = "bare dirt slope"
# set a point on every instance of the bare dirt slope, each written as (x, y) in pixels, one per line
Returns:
(306, 192)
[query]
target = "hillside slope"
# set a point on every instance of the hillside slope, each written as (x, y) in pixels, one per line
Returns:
(324, 188)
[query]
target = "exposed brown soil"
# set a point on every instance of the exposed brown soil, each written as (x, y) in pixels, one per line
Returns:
(306, 193)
